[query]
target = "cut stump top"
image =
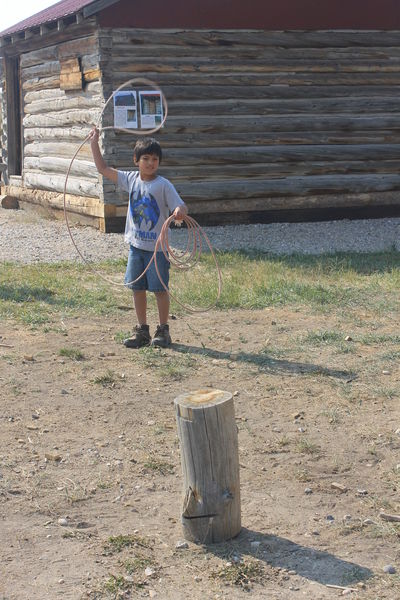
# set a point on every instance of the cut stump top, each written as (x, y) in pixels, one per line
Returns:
(203, 398)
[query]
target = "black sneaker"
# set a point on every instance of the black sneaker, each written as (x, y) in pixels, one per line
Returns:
(161, 336)
(141, 337)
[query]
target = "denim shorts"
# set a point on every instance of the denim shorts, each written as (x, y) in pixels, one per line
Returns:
(137, 262)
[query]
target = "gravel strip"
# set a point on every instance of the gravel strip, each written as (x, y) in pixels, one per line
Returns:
(26, 238)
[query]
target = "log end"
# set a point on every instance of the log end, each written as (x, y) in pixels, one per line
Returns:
(203, 397)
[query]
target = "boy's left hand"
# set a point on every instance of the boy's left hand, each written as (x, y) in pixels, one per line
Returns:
(179, 214)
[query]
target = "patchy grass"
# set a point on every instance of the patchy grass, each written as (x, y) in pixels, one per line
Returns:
(117, 543)
(71, 353)
(164, 364)
(306, 446)
(158, 466)
(119, 585)
(241, 574)
(109, 379)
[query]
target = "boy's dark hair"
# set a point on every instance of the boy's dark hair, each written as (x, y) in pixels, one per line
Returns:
(147, 146)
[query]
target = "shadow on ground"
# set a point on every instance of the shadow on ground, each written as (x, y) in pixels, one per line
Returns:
(315, 565)
(265, 363)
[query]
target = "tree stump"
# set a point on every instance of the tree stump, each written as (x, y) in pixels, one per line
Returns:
(210, 465)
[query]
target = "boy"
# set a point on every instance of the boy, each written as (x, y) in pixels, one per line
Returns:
(151, 199)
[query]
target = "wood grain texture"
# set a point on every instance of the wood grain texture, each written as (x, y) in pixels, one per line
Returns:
(210, 465)
(256, 119)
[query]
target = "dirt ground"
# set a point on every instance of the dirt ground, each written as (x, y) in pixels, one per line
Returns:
(90, 476)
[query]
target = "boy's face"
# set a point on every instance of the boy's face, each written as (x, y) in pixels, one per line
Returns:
(148, 166)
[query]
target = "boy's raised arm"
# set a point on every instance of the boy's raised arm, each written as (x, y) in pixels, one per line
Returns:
(99, 161)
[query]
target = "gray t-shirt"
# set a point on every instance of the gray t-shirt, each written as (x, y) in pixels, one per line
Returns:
(150, 204)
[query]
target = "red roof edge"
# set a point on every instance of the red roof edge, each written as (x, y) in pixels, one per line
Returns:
(61, 9)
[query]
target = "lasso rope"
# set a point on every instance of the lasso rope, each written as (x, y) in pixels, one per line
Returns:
(193, 250)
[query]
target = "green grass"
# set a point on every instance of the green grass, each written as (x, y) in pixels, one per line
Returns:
(158, 466)
(117, 543)
(305, 446)
(38, 295)
(109, 379)
(241, 574)
(71, 353)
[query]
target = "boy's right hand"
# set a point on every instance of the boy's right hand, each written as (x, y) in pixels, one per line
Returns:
(94, 135)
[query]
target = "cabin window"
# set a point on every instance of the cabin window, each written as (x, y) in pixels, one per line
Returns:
(14, 115)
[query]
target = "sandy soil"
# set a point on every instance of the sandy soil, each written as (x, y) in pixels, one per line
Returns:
(90, 476)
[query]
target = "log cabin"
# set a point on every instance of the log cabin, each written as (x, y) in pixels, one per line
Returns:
(272, 110)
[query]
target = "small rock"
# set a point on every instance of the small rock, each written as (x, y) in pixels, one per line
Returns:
(236, 559)
(308, 491)
(361, 492)
(338, 486)
(61, 581)
(62, 521)
(181, 545)
(52, 457)
(330, 518)
(348, 338)
(385, 372)
(149, 571)
(397, 432)
(9, 202)
(389, 569)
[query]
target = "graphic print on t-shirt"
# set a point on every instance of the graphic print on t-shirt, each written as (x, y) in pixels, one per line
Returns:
(145, 211)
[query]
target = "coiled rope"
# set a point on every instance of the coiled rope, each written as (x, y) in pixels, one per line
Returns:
(183, 261)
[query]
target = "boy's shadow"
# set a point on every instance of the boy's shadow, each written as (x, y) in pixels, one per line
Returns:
(315, 565)
(265, 363)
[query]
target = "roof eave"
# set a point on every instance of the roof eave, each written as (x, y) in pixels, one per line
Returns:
(58, 24)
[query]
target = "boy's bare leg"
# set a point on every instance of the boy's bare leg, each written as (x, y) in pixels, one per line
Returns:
(140, 302)
(163, 306)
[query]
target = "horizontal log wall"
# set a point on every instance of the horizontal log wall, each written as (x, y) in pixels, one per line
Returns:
(56, 121)
(266, 120)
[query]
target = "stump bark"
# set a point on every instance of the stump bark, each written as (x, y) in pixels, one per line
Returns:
(210, 465)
